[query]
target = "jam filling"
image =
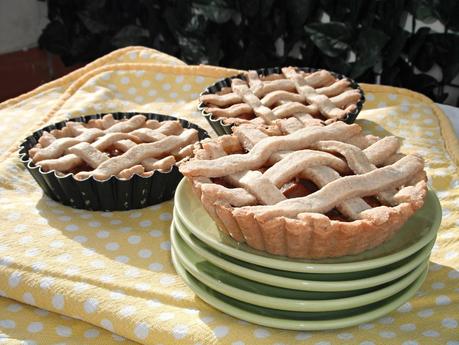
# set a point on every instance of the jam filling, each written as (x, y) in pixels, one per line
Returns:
(299, 188)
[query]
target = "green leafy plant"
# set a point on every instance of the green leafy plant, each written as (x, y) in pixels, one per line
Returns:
(366, 40)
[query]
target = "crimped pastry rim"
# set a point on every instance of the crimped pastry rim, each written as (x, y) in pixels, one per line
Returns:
(112, 194)
(254, 229)
(304, 265)
(28, 162)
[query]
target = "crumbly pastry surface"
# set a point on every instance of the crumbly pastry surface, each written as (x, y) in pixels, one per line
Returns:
(109, 147)
(319, 191)
(304, 98)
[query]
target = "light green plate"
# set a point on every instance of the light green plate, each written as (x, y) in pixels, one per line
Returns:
(301, 321)
(333, 287)
(417, 232)
(273, 297)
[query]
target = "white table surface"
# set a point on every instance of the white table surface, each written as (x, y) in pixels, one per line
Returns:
(453, 115)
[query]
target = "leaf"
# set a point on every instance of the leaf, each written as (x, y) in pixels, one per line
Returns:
(337, 10)
(443, 10)
(178, 19)
(94, 26)
(266, 8)
(446, 11)
(395, 47)
(249, 8)
(95, 5)
(342, 11)
(369, 46)
(422, 10)
(337, 65)
(355, 10)
(216, 11)
(390, 76)
(83, 47)
(243, 34)
(152, 19)
(424, 61)
(309, 54)
(213, 50)
(447, 54)
(348, 11)
(196, 26)
(254, 56)
(422, 83)
(329, 37)
(298, 11)
(419, 82)
(193, 50)
(327, 6)
(54, 38)
(416, 42)
(130, 35)
(369, 14)
(392, 14)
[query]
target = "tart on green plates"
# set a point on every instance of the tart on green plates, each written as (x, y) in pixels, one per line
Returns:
(418, 232)
(317, 192)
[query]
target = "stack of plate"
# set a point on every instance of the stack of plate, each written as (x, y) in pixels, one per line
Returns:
(296, 294)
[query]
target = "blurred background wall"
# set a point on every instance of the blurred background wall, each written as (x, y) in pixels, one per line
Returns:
(407, 43)
(23, 66)
(21, 23)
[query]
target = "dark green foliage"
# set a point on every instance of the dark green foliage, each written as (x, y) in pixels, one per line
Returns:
(246, 34)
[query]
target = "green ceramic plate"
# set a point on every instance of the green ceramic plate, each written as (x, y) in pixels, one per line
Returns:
(304, 281)
(273, 297)
(417, 232)
(301, 321)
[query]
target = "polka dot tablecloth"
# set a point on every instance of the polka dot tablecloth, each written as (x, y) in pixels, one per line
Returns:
(69, 276)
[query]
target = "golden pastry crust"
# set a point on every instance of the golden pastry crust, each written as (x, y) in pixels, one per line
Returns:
(292, 97)
(364, 194)
(107, 147)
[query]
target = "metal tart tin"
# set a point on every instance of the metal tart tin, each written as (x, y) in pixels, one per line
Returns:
(220, 128)
(113, 194)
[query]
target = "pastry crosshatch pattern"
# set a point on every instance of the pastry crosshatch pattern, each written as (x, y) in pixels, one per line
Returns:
(263, 99)
(82, 277)
(100, 147)
(290, 188)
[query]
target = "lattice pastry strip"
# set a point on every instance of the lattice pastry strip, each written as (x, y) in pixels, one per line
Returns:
(359, 182)
(108, 147)
(321, 175)
(318, 95)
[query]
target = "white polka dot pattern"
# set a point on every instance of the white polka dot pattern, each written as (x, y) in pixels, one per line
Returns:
(110, 273)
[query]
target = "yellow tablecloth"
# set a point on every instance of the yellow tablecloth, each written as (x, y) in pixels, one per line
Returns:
(78, 277)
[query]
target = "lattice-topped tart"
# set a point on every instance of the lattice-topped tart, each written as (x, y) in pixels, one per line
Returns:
(305, 96)
(110, 162)
(320, 191)
(108, 147)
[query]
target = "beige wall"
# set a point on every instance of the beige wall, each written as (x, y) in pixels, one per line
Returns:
(21, 23)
